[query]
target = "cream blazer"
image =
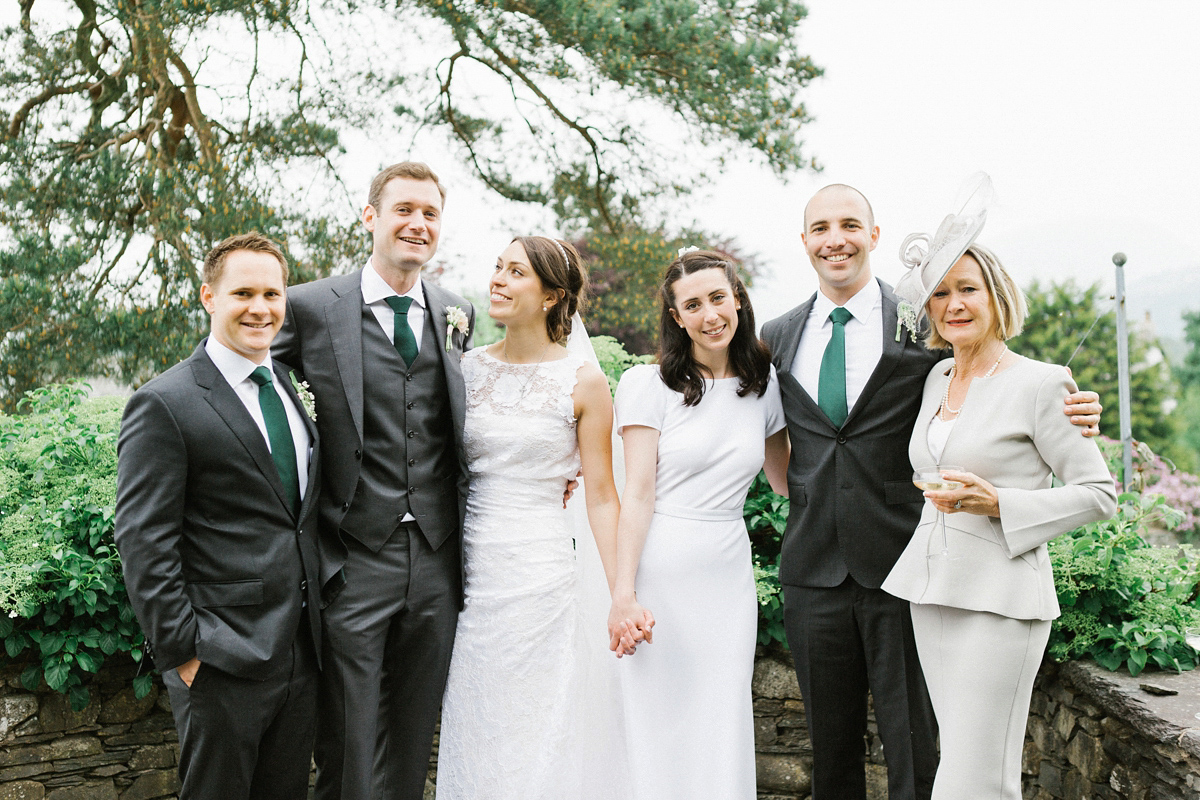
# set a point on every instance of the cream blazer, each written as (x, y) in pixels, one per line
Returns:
(1012, 432)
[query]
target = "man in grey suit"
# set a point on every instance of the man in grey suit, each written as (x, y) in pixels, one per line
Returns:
(380, 349)
(851, 393)
(215, 498)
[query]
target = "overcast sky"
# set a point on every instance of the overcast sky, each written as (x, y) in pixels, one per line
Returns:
(1084, 113)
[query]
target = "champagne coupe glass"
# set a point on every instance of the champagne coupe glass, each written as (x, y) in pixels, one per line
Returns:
(929, 479)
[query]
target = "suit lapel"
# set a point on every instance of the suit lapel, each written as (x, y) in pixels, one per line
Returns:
(437, 302)
(225, 402)
(344, 321)
(888, 359)
(282, 373)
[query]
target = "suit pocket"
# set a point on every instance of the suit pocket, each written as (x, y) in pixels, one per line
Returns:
(226, 593)
(896, 492)
(798, 494)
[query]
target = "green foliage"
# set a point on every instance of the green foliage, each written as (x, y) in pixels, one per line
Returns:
(63, 605)
(624, 273)
(766, 516)
(1124, 601)
(583, 75)
(1059, 316)
(1189, 372)
(120, 168)
(614, 359)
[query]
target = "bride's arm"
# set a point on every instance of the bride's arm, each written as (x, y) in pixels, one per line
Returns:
(594, 415)
(641, 463)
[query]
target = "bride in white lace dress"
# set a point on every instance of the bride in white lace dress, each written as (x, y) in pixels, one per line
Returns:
(535, 413)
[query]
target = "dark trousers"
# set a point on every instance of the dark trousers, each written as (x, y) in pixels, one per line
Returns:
(846, 641)
(388, 637)
(243, 739)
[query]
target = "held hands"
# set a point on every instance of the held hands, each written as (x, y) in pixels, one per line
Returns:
(1083, 409)
(629, 624)
(573, 484)
(976, 496)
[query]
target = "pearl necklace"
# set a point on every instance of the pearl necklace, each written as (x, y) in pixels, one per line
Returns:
(945, 407)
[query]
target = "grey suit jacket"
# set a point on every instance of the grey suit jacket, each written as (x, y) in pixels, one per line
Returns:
(322, 338)
(853, 504)
(215, 561)
(1011, 432)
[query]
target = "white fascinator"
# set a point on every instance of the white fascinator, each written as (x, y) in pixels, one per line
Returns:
(929, 258)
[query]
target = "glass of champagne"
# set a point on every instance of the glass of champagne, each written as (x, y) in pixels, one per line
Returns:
(930, 479)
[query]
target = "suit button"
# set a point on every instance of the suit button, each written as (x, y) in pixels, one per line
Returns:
(408, 377)
(412, 462)
(412, 434)
(345, 506)
(358, 454)
(412, 490)
(841, 440)
(411, 406)
(304, 586)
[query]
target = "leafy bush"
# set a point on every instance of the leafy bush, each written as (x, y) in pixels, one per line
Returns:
(63, 605)
(766, 516)
(1123, 600)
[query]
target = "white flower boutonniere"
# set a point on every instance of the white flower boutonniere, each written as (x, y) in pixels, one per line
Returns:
(456, 320)
(306, 397)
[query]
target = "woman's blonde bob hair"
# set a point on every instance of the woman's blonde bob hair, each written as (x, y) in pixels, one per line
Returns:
(1006, 298)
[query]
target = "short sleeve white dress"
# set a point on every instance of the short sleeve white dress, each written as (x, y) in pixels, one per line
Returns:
(688, 709)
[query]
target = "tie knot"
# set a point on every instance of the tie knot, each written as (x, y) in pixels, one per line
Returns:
(840, 316)
(399, 304)
(261, 376)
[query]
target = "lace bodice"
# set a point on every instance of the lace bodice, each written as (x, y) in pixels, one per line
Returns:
(520, 424)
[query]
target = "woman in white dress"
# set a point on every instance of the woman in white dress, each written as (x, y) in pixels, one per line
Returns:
(535, 412)
(696, 428)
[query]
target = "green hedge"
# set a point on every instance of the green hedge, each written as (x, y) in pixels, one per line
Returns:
(64, 610)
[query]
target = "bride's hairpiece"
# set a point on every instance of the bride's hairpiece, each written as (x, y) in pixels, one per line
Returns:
(562, 250)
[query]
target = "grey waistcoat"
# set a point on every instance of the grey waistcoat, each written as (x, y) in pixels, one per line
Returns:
(409, 462)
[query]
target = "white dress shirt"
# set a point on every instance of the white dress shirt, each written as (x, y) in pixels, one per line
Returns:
(864, 341)
(375, 291)
(236, 369)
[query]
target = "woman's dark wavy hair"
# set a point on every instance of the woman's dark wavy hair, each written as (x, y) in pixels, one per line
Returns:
(749, 358)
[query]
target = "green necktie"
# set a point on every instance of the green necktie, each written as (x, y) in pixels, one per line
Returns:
(283, 450)
(831, 385)
(402, 335)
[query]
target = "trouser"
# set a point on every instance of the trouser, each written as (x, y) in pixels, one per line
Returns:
(243, 739)
(847, 640)
(388, 637)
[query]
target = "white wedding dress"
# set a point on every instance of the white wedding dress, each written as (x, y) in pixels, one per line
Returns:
(512, 720)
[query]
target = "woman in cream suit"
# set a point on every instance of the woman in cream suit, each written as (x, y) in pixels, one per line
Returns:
(981, 612)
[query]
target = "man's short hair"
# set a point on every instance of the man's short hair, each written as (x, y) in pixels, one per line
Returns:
(414, 170)
(255, 242)
(870, 211)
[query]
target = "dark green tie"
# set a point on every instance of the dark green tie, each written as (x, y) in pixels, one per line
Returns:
(402, 335)
(279, 432)
(831, 385)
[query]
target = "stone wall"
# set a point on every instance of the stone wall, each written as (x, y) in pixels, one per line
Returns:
(118, 748)
(1092, 734)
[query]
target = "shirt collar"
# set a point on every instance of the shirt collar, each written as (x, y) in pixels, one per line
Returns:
(864, 302)
(375, 288)
(234, 367)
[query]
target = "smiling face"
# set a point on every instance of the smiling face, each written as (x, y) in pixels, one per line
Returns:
(516, 290)
(961, 307)
(247, 303)
(706, 307)
(405, 227)
(839, 235)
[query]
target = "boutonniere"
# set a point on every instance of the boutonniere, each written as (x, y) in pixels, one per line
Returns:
(306, 397)
(456, 320)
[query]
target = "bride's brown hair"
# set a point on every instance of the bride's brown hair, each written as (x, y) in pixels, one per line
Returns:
(560, 269)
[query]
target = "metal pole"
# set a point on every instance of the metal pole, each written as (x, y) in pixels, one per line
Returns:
(1123, 377)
